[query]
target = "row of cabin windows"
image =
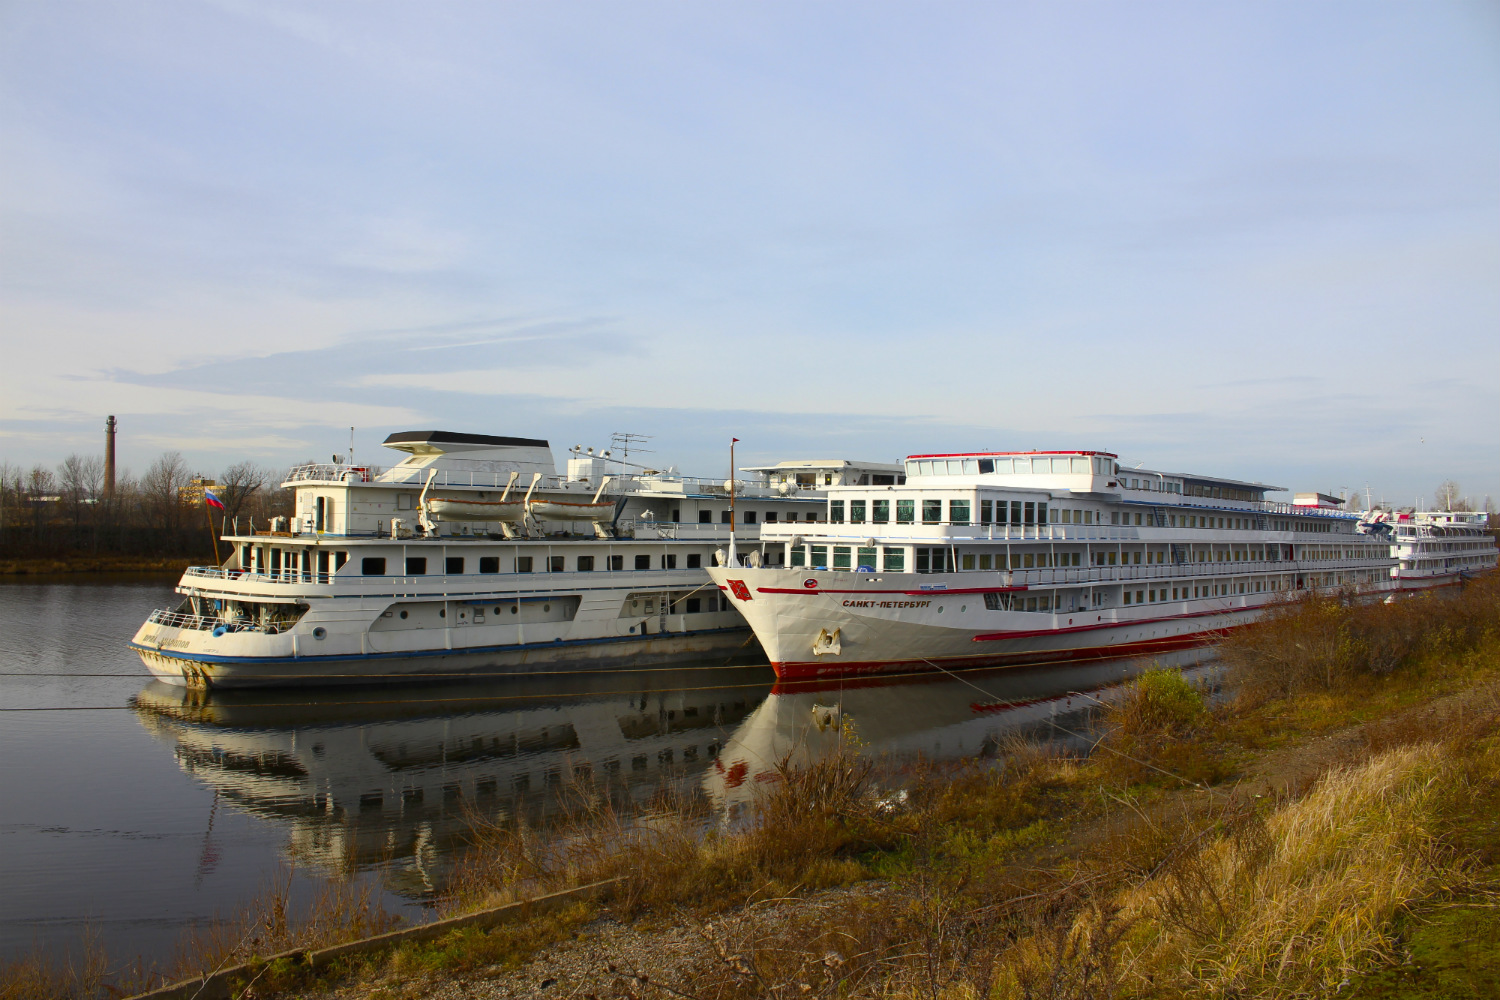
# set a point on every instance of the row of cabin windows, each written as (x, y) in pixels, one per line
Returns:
(1154, 485)
(1034, 466)
(1021, 602)
(274, 559)
(454, 565)
(750, 516)
(1221, 492)
(857, 557)
(1017, 512)
(745, 516)
(1020, 513)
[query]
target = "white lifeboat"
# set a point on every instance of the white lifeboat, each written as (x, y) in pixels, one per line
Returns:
(457, 509)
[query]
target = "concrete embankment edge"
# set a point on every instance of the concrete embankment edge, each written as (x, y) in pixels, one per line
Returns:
(216, 986)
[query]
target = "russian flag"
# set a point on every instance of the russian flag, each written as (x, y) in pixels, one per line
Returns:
(212, 501)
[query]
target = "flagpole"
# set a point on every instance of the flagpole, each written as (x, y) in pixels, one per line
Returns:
(209, 518)
(733, 561)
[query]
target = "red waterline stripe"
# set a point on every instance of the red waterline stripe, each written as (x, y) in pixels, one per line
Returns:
(809, 670)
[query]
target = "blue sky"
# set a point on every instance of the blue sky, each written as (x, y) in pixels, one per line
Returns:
(1254, 239)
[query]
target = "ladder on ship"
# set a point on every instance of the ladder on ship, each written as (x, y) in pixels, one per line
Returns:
(1158, 517)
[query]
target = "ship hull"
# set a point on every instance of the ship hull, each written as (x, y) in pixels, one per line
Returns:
(176, 657)
(864, 626)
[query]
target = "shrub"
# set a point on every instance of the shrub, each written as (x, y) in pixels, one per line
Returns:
(1160, 702)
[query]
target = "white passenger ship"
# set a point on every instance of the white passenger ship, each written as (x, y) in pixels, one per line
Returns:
(1434, 548)
(474, 555)
(1022, 557)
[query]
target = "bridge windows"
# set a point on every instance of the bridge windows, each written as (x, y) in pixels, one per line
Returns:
(934, 560)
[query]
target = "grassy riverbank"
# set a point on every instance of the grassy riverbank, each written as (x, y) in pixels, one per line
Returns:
(1332, 829)
(95, 565)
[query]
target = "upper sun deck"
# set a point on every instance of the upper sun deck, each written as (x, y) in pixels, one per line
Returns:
(1096, 472)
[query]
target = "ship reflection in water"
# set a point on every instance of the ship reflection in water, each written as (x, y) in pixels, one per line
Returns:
(391, 780)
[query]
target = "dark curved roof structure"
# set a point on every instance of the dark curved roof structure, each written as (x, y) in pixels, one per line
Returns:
(453, 437)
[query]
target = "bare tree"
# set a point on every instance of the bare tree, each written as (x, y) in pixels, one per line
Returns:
(41, 492)
(239, 485)
(1449, 496)
(161, 489)
(81, 478)
(10, 493)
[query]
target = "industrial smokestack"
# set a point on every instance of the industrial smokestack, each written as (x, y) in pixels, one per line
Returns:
(110, 426)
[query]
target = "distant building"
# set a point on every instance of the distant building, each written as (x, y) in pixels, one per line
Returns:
(192, 493)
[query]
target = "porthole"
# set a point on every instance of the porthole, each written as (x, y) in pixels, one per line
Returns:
(442, 612)
(403, 614)
(546, 608)
(497, 611)
(514, 609)
(963, 607)
(319, 632)
(940, 609)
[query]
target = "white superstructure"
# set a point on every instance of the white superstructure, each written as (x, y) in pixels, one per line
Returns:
(1017, 557)
(470, 556)
(1434, 548)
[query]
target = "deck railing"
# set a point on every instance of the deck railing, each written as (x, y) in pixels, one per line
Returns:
(176, 619)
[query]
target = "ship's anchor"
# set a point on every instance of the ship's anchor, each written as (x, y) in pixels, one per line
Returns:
(827, 643)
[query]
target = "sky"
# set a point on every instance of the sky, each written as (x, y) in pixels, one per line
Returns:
(1258, 240)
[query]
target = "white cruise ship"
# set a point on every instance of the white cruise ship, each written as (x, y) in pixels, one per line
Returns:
(472, 555)
(1022, 557)
(1434, 548)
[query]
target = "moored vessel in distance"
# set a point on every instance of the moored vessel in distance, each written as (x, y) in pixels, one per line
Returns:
(1021, 557)
(1434, 548)
(473, 555)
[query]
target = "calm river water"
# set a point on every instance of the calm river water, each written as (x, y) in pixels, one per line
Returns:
(130, 809)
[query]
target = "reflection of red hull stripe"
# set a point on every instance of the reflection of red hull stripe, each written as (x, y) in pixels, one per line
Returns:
(1032, 633)
(796, 670)
(910, 593)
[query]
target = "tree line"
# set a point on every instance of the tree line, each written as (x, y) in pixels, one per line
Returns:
(66, 510)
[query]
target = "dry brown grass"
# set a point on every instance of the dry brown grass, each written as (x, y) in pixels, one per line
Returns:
(39, 974)
(1306, 899)
(267, 924)
(806, 831)
(1323, 641)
